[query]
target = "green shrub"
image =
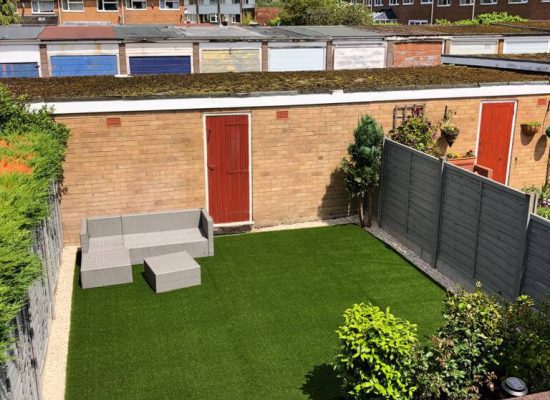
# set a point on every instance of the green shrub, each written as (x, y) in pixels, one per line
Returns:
(461, 359)
(324, 12)
(419, 133)
(484, 19)
(375, 354)
(526, 346)
(362, 168)
(35, 141)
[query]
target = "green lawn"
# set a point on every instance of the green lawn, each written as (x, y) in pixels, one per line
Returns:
(261, 325)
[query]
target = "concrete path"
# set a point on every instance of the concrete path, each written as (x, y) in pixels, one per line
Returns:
(55, 365)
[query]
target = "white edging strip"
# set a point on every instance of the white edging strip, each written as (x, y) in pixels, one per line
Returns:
(336, 97)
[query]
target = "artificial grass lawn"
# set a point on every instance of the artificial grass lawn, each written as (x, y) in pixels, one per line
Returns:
(261, 325)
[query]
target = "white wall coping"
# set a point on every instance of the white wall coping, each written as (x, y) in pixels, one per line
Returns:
(286, 100)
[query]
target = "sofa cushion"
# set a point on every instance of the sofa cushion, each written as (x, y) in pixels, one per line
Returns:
(159, 222)
(105, 243)
(104, 226)
(163, 238)
(105, 259)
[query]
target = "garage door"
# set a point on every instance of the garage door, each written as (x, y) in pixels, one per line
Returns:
(19, 70)
(297, 59)
(525, 46)
(474, 47)
(359, 57)
(83, 65)
(160, 65)
(230, 60)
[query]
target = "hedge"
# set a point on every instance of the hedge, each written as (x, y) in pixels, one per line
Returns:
(32, 148)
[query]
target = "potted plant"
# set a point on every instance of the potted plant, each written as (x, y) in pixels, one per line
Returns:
(449, 130)
(530, 128)
(465, 161)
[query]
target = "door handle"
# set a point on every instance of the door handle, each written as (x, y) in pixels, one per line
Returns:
(211, 167)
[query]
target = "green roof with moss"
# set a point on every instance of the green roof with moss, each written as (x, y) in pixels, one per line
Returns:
(231, 84)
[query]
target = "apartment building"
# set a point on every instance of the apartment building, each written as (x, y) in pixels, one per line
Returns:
(207, 10)
(58, 12)
(419, 12)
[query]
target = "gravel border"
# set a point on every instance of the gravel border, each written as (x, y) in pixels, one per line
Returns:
(410, 256)
(55, 366)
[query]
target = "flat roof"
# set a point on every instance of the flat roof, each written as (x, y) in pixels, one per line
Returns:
(19, 32)
(128, 32)
(538, 63)
(78, 33)
(242, 84)
(332, 32)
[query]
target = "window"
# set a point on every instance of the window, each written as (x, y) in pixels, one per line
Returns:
(169, 4)
(381, 2)
(408, 2)
(444, 3)
(107, 5)
(517, 1)
(213, 18)
(425, 1)
(394, 2)
(136, 5)
(467, 2)
(72, 5)
(368, 2)
(42, 7)
(418, 22)
(487, 2)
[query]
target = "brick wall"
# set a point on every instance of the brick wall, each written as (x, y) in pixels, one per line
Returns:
(416, 54)
(155, 161)
(152, 15)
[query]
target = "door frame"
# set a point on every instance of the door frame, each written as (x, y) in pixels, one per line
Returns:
(510, 147)
(205, 115)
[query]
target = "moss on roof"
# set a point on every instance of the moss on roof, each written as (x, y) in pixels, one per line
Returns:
(544, 25)
(539, 57)
(204, 85)
(427, 30)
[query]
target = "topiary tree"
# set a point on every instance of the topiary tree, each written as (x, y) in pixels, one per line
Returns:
(376, 354)
(8, 13)
(362, 168)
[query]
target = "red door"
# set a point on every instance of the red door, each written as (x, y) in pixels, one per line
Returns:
(494, 137)
(228, 168)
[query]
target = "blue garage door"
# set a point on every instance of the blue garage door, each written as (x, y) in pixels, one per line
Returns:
(160, 65)
(83, 65)
(19, 70)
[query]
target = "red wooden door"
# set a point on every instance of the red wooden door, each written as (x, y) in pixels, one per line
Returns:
(494, 137)
(228, 168)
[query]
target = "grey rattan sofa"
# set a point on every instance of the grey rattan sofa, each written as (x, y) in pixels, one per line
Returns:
(111, 245)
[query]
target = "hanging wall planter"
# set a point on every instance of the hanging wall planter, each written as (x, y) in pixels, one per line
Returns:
(450, 133)
(449, 130)
(530, 128)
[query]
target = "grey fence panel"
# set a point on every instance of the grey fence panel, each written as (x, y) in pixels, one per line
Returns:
(537, 262)
(470, 227)
(411, 188)
(20, 376)
(459, 224)
(501, 238)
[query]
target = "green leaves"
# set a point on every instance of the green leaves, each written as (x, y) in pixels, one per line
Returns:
(465, 351)
(362, 168)
(375, 353)
(8, 13)
(324, 12)
(35, 140)
(419, 133)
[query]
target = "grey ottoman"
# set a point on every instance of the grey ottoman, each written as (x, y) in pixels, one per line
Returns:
(172, 271)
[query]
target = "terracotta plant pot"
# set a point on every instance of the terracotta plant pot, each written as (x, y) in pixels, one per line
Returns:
(464, 162)
(530, 130)
(450, 133)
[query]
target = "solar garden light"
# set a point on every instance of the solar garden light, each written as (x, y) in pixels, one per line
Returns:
(514, 387)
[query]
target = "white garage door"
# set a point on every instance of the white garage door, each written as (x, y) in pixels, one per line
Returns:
(296, 59)
(525, 46)
(358, 57)
(474, 47)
